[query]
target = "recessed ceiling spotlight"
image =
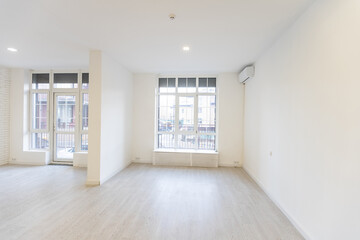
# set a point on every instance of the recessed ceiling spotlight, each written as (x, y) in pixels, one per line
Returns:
(172, 16)
(186, 48)
(10, 49)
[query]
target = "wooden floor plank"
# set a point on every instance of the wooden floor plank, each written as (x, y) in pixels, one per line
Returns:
(141, 202)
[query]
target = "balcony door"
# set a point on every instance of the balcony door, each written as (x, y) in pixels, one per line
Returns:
(65, 126)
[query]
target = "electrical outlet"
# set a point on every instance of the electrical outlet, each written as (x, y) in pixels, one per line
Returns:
(236, 163)
(137, 159)
(13, 159)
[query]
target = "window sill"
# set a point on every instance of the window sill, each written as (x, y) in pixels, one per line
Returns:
(160, 150)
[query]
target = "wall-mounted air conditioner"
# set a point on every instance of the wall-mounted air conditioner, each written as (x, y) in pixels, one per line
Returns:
(247, 73)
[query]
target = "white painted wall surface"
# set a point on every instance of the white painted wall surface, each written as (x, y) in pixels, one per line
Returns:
(230, 97)
(80, 159)
(110, 120)
(4, 114)
(304, 106)
(116, 114)
(94, 132)
(19, 119)
(144, 117)
(231, 112)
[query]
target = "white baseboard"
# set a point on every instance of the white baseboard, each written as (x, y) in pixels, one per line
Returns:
(142, 161)
(291, 219)
(28, 163)
(79, 165)
(92, 183)
(225, 164)
(3, 163)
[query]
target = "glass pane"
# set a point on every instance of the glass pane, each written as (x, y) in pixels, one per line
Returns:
(171, 82)
(166, 113)
(171, 85)
(206, 142)
(85, 81)
(39, 140)
(40, 81)
(182, 82)
(186, 141)
(202, 85)
(167, 85)
(84, 142)
(182, 85)
(85, 111)
(191, 88)
(162, 82)
(39, 111)
(163, 85)
(65, 146)
(65, 80)
(65, 113)
(186, 114)
(202, 82)
(207, 114)
(212, 85)
(166, 141)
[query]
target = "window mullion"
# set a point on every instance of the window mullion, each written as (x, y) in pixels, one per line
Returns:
(196, 121)
(176, 120)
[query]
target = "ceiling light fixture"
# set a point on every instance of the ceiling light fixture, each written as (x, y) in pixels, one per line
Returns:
(172, 16)
(10, 49)
(186, 48)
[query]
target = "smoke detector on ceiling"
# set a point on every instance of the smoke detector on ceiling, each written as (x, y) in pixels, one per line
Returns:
(172, 16)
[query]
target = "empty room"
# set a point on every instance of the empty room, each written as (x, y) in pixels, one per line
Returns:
(184, 120)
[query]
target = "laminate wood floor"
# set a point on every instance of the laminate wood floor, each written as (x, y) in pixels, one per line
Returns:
(141, 202)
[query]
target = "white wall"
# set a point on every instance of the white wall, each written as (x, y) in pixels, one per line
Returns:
(5, 115)
(19, 119)
(230, 97)
(304, 106)
(110, 119)
(144, 117)
(94, 132)
(231, 112)
(80, 159)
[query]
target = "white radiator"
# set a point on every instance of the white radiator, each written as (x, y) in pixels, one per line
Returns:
(187, 159)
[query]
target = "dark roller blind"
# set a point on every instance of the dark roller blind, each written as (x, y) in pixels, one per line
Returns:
(191, 82)
(212, 82)
(162, 82)
(40, 78)
(65, 78)
(202, 82)
(85, 78)
(182, 82)
(171, 82)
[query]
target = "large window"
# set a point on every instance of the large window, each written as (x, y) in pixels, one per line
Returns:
(59, 112)
(186, 113)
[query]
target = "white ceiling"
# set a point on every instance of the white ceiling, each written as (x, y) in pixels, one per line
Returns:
(224, 35)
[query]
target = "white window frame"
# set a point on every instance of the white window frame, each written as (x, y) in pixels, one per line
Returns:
(177, 132)
(81, 131)
(50, 109)
(33, 130)
(76, 94)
